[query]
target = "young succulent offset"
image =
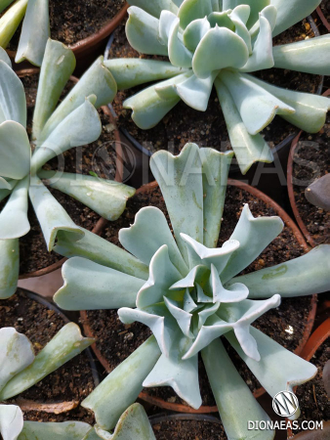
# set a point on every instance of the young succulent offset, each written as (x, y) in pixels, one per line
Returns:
(35, 29)
(73, 123)
(220, 43)
(189, 293)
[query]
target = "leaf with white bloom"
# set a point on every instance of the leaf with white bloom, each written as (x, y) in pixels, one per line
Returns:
(196, 92)
(156, 6)
(145, 42)
(232, 395)
(14, 222)
(133, 424)
(221, 19)
(15, 150)
(131, 72)
(301, 276)
(10, 21)
(198, 273)
(9, 267)
(239, 16)
(236, 293)
(192, 10)
(194, 32)
(5, 57)
(57, 66)
(207, 311)
(256, 106)
(178, 54)
(5, 188)
(189, 304)
(227, 48)
(65, 345)
(254, 235)
(182, 317)
(11, 422)
(122, 386)
(166, 21)
(35, 32)
(55, 431)
(305, 56)
(90, 286)
(12, 96)
(51, 214)
(151, 222)
(248, 149)
(92, 192)
(16, 354)
(167, 90)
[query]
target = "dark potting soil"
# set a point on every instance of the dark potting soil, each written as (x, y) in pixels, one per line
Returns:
(72, 21)
(98, 157)
(72, 382)
(116, 341)
(184, 124)
(313, 399)
(172, 429)
(311, 161)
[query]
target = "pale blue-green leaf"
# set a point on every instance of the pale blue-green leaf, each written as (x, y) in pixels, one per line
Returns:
(16, 354)
(149, 232)
(4, 4)
(239, 16)
(65, 345)
(181, 183)
(5, 57)
(257, 7)
(162, 274)
(207, 311)
(178, 54)
(182, 317)
(215, 168)
(254, 235)
(101, 251)
(51, 215)
(181, 375)
(10, 21)
(262, 54)
(90, 286)
(122, 385)
(142, 32)
(167, 90)
(310, 110)
(194, 32)
(57, 66)
(197, 274)
(236, 293)
(133, 424)
(14, 222)
(310, 56)
(35, 33)
(54, 431)
(294, 370)
(191, 10)
(12, 96)
(5, 188)
(15, 150)
(232, 395)
(221, 19)
(189, 304)
(92, 192)
(290, 12)
(11, 421)
(9, 267)
(196, 92)
(216, 5)
(301, 276)
(248, 149)
(257, 107)
(98, 81)
(82, 126)
(166, 21)
(219, 48)
(156, 6)
(131, 72)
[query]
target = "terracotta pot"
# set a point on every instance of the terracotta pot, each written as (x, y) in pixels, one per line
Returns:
(323, 18)
(153, 400)
(101, 223)
(314, 435)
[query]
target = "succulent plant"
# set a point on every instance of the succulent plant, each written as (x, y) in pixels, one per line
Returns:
(35, 29)
(318, 192)
(221, 43)
(189, 293)
(73, 123)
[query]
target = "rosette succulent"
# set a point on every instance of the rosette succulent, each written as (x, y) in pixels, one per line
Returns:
(189, 292)
(221, 43)
(73, 123)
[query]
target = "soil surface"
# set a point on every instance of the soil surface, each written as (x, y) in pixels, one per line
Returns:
(184, 124)
(311, 161)
(73, 382)
(171, 429)
(116, 341)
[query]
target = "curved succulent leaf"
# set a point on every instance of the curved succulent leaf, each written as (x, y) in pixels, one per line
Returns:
(239, 17)
(90, 286)
(55, 431)
(5, 57)
(35, 32)
(122, 386)
(134, 423)
(192, 10)
(195, 31)
(4, 4)
(178, 54)
(156, 6)
(15, 150)
(9, 267)
(12, 96)
(11, 422)
(196, 92)
(10, 21)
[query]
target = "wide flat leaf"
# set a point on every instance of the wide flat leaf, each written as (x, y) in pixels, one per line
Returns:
(194, 32)
(178, 54)
(122, 386)
(65, 345)
(90, 286)
(305, 56)
(15, 150)
(232, 395)
(248, 149)
(193, 9)
(301, 276)
(11, 421)
(196, 92)
(156, 6)
(92, 192)
(54, 431)
(9, 267)
(5, 57)
(133, 424)
(35, 32)
(51, 215)
(10, 21)
(12, 96)
(57, 66)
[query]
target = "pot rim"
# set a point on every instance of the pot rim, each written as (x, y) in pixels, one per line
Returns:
(181, 408)
(320, 335)
(323, 18)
